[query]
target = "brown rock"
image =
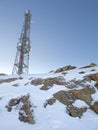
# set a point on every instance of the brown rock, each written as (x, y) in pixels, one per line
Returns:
(76, 112)
(9, 108)
(96, 85)
(36, 82)
(93, 77)
(84, 94)
(25, 98)
(14, 102)
(48, 82)
(64, 97)
(75, 83)
(89, 65)
(7, 80)
(45, 87)
(25, 111)
(27, 119)
(49, 102)
(94, 107)
(66, 68)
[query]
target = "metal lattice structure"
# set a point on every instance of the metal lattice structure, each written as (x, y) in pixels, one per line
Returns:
(21, 64)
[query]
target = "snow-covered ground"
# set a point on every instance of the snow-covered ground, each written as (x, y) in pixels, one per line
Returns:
(53, 117)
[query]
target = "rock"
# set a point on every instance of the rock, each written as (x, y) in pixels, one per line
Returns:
(64, 73)
(84, 94)
(16, 85)
(36, 82)
(9, 108)
(48, 82)
(66, 68)
(75, 83)
(2, 74)
(45, 87)
(27, 119)
(94, 107)
(25, 114)
(93, 77)
(25, 98)
(89, 65)
(49, 102)
(81, 72)
(64, 97)
(96, 85)
(93, 70)
(7, 80)
(76, 112)
(14, 102)
(25, 108)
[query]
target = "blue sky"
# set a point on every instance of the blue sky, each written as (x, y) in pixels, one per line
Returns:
(63, 32)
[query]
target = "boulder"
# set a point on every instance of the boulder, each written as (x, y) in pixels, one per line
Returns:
(89, 65)
(76, 112)
(50, 101)
(66, 68)
(94, 107)
(25, 112)
(25, 108)
(37, 81)
(93, 77)
(12, 102)
(48, 82)
(7, 80)
(84, 94)
(64, 97)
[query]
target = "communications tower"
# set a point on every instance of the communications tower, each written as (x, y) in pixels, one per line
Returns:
(21, 64)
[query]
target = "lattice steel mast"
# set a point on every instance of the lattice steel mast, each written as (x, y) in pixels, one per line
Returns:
(21, 64)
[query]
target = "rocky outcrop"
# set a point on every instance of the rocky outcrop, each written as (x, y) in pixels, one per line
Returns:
(2, 74)
(68, 99)
(7, 80)
(94, 107)
(81, 72)
(12, 102)
(89, 65)
(76, 83)
(64, 97)
(93, 77)
(66, 68)
(25, 112)
(84, 94)
(50, 101)
(76, 112)
(24, 106)
(48, 82)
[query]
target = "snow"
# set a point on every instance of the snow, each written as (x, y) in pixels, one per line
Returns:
(80, 104)
(53, 117)
(95, 96)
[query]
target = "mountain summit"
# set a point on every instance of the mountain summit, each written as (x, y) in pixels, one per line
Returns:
(63, 99)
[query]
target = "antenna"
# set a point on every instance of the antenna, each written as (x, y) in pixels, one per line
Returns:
(21, 64)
